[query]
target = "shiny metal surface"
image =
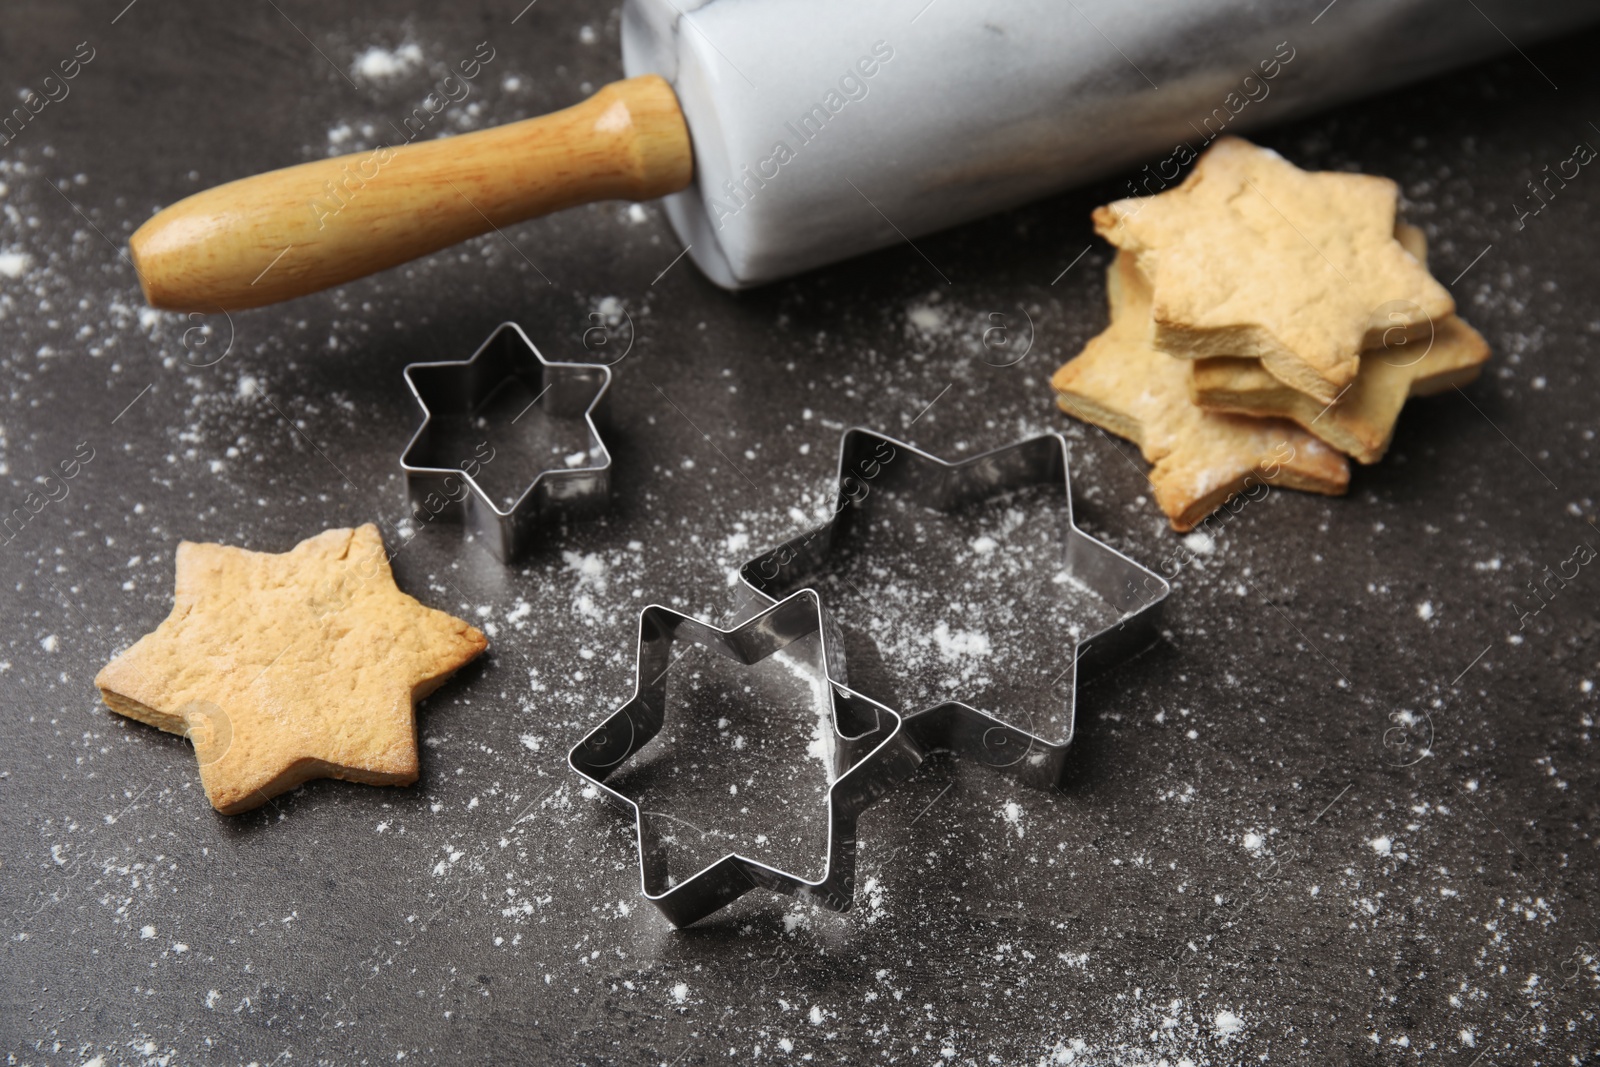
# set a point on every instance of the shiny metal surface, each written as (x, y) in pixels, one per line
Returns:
(872, 466)
(438, 485)
(871, 754)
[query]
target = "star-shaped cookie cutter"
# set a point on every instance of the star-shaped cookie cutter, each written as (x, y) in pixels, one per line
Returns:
(863, 765)
(440, 485)
(871, 464)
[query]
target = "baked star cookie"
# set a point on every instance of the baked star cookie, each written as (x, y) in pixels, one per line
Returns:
(1252, 256)
(1361, 423)
(285, 667)
(1199, 459)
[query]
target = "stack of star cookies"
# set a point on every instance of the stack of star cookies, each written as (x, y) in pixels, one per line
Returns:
(1266, 322)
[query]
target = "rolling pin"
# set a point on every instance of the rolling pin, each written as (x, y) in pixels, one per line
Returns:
(788, 134)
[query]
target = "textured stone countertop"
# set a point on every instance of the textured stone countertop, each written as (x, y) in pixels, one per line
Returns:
(1239, 868)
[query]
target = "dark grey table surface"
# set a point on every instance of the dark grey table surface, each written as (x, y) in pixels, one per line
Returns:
(1239, 868)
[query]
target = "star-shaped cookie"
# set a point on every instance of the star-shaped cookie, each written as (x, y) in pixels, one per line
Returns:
(1123, 384)
(1251, 256)
(1361, 423)
(285, 667)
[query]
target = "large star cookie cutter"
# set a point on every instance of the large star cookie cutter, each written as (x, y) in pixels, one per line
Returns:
(507, 370)
(872, 466)
(868, 755)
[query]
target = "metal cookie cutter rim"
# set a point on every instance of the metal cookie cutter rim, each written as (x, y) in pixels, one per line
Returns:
(865, 765)
(955, 725)
(574, 387)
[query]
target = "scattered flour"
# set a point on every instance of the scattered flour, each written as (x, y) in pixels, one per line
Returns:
(381, 64)
(927, 319)
(958, 645)
(15, 264)
(959, 607)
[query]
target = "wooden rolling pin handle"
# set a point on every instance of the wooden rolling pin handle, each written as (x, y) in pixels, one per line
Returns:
(295, 231)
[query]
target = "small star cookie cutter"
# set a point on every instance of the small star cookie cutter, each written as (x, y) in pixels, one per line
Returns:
(440, 484)
(864, 765)
(871, 464)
